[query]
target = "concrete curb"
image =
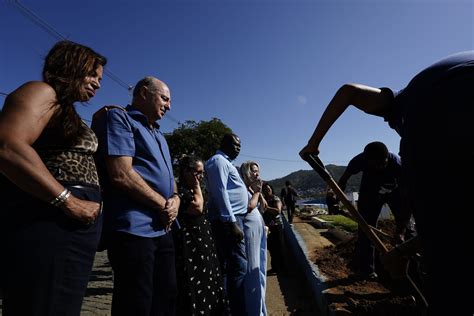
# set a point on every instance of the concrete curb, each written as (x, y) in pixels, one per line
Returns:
(316, 282)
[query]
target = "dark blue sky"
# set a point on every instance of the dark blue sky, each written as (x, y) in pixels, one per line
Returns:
(267, 69)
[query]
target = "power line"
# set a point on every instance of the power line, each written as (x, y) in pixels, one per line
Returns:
(115, 78)
(288, 160)
(274, 159)
(37, 20)
(54, 33)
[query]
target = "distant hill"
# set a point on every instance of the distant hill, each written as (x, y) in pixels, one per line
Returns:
(309, 184)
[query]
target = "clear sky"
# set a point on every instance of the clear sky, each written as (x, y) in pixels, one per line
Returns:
(267, 69)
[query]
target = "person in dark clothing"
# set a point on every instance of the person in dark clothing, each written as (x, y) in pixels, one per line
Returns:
(380, 184)
(200, 284)
(332, 202)
(433, 115)
(289, 196)
(275, 239)
(50, 221)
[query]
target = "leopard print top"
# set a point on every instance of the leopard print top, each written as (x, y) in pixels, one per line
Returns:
(74, 163)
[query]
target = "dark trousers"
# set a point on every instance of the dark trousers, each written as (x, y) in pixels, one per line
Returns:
(447, 250)
(233, 262)
(290, 208)
(144, 274)
(369, 206)
(275, 242)
(47, 257)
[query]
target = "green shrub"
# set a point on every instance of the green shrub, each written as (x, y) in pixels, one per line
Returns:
(341, 221)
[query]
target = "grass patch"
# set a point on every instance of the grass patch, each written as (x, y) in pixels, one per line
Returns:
(340, 221)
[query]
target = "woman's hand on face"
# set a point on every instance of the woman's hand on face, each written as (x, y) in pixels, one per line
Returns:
(196, 179)
(81, 210)
(250, 189)
(257, 185)
(193, 179)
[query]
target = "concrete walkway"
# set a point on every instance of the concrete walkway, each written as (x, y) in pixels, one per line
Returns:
(286, 295)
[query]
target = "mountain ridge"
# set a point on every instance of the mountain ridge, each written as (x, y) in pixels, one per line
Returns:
(309, 184)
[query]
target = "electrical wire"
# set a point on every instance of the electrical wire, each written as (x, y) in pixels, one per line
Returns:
(37, 20)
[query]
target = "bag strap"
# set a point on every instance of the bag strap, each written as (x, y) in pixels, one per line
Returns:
(105, 109)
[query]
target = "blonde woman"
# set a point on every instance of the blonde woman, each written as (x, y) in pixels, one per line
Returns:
(255, 241)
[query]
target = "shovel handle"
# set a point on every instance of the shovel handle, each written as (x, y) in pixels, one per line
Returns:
(318, 166)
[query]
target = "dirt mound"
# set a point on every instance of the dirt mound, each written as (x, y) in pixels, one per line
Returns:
(337, 261)
(360, 297)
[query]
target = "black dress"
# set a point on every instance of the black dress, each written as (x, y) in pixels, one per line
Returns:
(275, 238)
(200, 284)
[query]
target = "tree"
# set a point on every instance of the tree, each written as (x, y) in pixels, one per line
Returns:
(200, 139)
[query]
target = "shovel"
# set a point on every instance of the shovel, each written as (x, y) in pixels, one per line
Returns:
(368, 230)
(318, 166)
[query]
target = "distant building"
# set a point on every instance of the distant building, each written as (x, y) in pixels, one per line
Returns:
(385, 213)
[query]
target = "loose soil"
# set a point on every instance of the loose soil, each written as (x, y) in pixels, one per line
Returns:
(345, 292)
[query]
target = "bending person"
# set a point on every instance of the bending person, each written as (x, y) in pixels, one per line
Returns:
(433, 116)
(380, 184)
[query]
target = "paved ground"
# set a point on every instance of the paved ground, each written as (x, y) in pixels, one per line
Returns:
(98, 297)
(286, 295)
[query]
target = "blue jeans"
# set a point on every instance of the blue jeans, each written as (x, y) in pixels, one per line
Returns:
(47, 256)
(233, 261)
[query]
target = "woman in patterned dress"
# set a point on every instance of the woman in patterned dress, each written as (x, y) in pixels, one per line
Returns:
(200, 285)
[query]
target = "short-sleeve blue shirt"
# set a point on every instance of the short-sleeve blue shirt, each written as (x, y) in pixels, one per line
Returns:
(127, 133)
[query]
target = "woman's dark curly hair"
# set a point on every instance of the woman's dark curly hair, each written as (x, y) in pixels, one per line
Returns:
(65, 67)
(187, 163)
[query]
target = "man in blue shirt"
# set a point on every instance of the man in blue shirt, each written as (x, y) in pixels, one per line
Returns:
(140, 201)
(433, 116)
(227, 207)
(380, 184)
